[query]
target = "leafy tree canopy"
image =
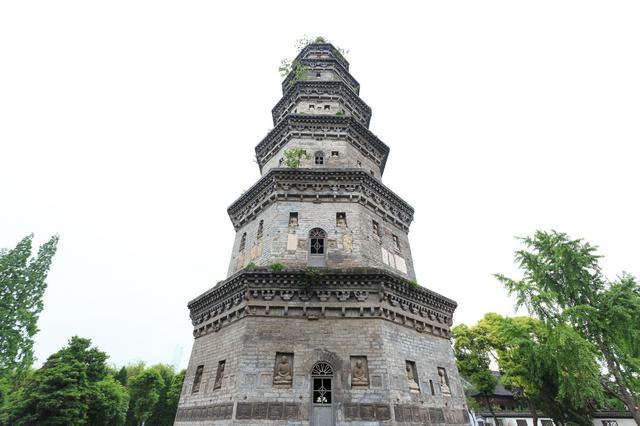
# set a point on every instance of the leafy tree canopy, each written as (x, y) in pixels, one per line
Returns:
(563, 285)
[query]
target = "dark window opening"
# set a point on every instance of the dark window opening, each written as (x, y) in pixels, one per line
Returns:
(521, 422)
(334, 153)
(433, 391)
(318, 74)
(219, 375)
(327, 107)
(322, 375)
(260, 229)
(372, 173)
(359, 163)
(243, 241)
(321, 390)
(312, 106)
(341, 219)
(197, 379)
(316, 241)
(319, 158)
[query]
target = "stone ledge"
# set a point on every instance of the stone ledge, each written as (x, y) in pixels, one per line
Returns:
(349, 293)
(318, 185)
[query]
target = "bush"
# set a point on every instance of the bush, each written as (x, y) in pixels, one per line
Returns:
(276, 266)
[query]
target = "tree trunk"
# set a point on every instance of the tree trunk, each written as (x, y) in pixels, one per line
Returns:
(624, 393)
(493, 414)
(534, 413)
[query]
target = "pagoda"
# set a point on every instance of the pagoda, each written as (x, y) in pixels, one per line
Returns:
(320, 320)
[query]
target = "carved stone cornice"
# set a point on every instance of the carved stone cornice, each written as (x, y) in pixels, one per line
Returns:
(318, 185)
(316, 64)
(318, 293)
(315, 126)
(319, 91)
(307, 52)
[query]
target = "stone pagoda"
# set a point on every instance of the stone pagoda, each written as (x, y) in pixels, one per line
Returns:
(320, 321)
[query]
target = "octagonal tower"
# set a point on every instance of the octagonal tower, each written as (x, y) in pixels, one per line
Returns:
(320, 321)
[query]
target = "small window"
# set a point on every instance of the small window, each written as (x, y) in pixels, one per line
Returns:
(260, 227)
(433, 391)
(293, 219)
(327, 107)
(197, 379)
(359, 163)
(318, 74)
(547, 422)
(319, 158)
(312, 106)
(280, 161)
(219, 375)
(341, 219)
(243, 241)
(335, 153)
(372, 173)
(521, 422)
(396, 242)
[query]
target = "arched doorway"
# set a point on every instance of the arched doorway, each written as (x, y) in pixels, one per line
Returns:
(317, 247)
(322, 394)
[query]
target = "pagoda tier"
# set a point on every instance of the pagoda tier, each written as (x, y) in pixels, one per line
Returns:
(330, 133)
(321, 98)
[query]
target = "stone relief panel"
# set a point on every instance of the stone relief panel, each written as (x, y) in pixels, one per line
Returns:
(359, 372)
(412, 376)
(283, 370)
(444, 381)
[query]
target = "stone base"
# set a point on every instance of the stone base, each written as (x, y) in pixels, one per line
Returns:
(341, 320)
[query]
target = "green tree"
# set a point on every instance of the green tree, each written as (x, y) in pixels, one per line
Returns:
(163, 414)
(22, 286)
(552, 370)
(60, 392)
(293, 157)
(473, 349)
(108, 403)
(173, 394)
(122, 377)
(144, 392)
(563, 284)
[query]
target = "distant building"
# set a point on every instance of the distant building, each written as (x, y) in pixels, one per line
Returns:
(320, 321)
(511, 412)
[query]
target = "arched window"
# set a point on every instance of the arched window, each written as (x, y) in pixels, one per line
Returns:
(322, 375)
(259, 233)
(316, 241)
(243, 241)
(319, 158)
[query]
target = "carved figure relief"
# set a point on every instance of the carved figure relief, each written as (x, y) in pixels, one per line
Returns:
(412, 376)
(444, 382)
(359, 372)
(283, 372)
(219, 375)
(293, 219)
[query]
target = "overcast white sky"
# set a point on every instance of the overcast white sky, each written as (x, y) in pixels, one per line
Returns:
(128, 127)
